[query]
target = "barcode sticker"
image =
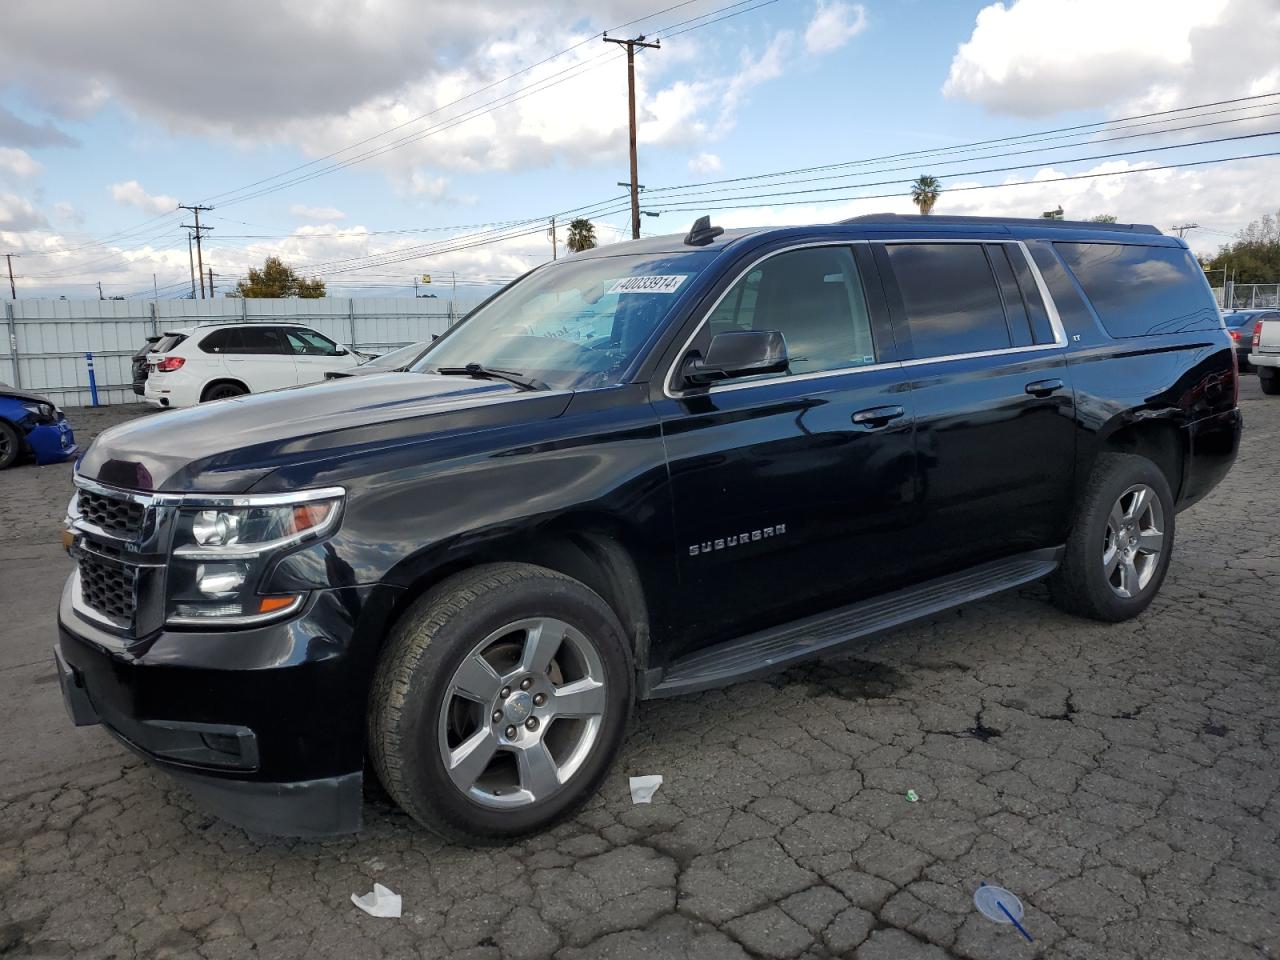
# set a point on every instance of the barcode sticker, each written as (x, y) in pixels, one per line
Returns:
(649, 284)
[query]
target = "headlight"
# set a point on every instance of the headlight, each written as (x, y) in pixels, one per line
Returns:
(41, 412)
(222, 552)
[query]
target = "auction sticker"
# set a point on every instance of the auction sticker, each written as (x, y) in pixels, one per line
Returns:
(649, 284)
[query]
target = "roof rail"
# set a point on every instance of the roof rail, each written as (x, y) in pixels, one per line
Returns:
(920, 220)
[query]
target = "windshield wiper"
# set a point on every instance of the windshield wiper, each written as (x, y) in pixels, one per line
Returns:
(481, 372)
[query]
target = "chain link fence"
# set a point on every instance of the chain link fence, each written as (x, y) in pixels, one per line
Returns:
(1248, 296)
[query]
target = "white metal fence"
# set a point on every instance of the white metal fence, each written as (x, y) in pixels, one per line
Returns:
(44, 343)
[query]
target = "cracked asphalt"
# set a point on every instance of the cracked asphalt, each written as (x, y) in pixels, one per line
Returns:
(1124, 781)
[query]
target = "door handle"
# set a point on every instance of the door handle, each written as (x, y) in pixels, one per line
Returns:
(1043, 388)
(877, 416)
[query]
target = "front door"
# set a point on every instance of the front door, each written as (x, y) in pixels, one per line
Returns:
(315, 354)
(995, 413)
(791, 491)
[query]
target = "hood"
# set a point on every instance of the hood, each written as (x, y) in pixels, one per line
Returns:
(228, 445)
(8, 391)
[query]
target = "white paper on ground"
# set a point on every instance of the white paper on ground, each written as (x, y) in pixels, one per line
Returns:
(643, 788)
(381, 903)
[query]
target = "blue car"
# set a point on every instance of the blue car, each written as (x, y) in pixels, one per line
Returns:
(31, 424)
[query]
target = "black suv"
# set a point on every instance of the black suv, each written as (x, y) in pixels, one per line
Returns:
(649, 469)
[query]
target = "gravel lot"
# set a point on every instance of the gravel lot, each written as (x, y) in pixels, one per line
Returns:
(1123, 781)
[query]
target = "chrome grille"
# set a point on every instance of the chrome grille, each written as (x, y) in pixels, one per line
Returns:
(120, 518)
(109, 588)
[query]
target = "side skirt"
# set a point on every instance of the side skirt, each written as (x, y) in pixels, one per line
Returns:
(776, 648)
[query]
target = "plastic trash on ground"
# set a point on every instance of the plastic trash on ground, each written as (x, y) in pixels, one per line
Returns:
(643, 788)
(912, 796)
(998, 904)
(381, 903)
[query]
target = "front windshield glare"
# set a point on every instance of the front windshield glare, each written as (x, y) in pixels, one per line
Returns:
(572, 325)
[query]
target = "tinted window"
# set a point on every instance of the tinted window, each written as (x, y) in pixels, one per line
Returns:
(1041, 329)
(814, 297)
(168, 342)
(219, 341)
(258, 340)
(950, 297)
(1141, 291)
(311, 344)
(1015, 308)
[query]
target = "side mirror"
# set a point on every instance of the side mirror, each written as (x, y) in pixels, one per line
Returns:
(738, 353)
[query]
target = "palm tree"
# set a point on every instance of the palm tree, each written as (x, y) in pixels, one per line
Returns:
(924, 192)
(582, 235)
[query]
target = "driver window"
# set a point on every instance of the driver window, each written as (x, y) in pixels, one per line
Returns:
(814, 297)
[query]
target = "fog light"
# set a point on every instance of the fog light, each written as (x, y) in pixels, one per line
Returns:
(220, 580)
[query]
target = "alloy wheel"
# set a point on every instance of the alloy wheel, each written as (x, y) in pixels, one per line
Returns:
(1133, 541)
(522, 713)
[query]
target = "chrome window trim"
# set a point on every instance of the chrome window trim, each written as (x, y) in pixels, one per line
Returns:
(1055, 321)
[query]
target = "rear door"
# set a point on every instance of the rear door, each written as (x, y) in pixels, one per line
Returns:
(259, 356)
(315, 354)
(985, 360)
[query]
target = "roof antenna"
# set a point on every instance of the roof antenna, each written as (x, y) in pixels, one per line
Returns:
(702, 233)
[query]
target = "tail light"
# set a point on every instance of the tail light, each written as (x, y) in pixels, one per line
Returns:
(1257, 333)
(170, 364)
(1235, 335)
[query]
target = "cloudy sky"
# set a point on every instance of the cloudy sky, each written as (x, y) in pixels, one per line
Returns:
(369, 142)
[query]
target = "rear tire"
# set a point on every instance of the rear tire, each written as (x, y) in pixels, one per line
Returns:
(499, 702)
(10, 446)
(223, 391)
(1120, 543)
(1269, 382)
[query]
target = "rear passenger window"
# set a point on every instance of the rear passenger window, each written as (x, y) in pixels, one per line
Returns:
(814, 297)
(219, 341)
(950, 296)
(260, 340)
(1141, 291)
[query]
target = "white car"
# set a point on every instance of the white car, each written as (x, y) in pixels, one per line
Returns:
(1265, 357)
(217, 361)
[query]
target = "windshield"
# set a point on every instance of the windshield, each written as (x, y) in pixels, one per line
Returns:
(396, 358)
(571, 325)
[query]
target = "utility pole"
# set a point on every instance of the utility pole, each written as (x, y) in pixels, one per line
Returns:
(200, 231)
(1183, 228)
(553, 238)
(211, 283)
(155, 286)
(192, 262)
(100, 296)
(631, 106)
(13, 291)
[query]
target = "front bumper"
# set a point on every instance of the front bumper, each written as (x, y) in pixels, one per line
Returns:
(52, 442)
(264, 726)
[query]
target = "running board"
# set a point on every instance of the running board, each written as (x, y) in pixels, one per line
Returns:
(778, 647)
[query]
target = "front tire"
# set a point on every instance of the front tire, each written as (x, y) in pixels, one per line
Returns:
(500, 702)
(10, 446)
(1120, 543)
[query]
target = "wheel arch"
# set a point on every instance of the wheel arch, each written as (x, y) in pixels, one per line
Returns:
(220, 381)
(1160, 439)
(592, 549)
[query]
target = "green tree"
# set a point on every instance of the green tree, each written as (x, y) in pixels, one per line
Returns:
(582, 235)
(924, 192)
(277, 280)
(1103, 218)
(1254, 256)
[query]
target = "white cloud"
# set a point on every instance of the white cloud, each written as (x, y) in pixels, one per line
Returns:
(64, 210)
(833, 25)
(131, 194)
(326, 214)
(18, 163)
(18, 214)
(705, 163)
(1038, 57)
